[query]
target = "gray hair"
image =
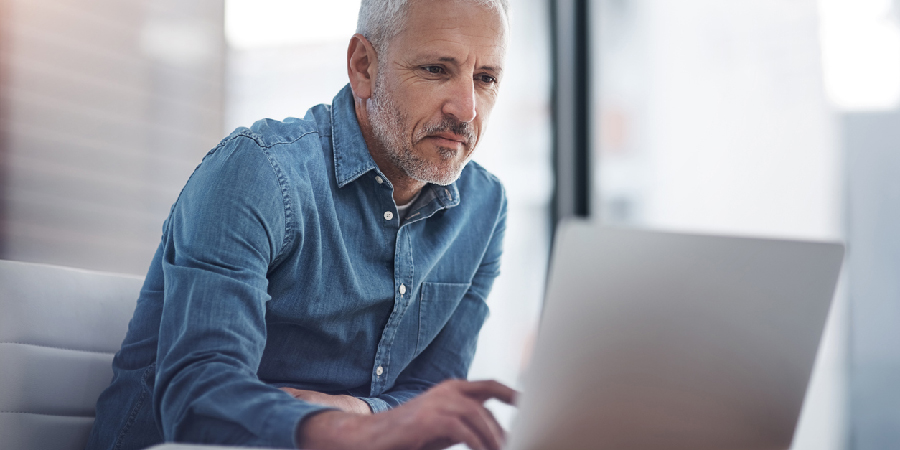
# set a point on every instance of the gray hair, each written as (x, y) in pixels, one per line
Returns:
(381, 20)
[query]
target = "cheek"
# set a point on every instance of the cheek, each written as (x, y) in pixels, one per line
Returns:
(418, 109)
(486, 104)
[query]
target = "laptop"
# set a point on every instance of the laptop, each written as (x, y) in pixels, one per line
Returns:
(658, 340)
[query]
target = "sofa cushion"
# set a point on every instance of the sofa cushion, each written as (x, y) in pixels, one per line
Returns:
(59, 329)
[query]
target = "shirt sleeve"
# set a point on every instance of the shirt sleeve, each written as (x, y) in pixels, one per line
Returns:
(228, 227)
(450, 353)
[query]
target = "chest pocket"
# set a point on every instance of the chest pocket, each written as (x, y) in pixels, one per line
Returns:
(436, 305)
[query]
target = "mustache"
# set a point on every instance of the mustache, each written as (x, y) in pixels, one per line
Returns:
(449, 124)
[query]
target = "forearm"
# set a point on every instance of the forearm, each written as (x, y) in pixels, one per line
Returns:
(346, 403)
(334, 430)
(390, 399)
(235, 413)
(206, 387)
(449, 413)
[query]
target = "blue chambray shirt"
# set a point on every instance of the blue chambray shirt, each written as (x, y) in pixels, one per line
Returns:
(284, 263)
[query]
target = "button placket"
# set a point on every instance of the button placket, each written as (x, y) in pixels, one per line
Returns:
(403, 273)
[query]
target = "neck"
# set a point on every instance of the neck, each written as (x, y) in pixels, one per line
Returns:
(404, 191)
(405, 187)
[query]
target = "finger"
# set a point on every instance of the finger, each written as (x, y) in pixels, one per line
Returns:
(459, 431)
(457, 410)
(485, 389)
(486, 426)
(296, 393)
(439, 444)
(478, 419)
(309, 396)
(495, 425)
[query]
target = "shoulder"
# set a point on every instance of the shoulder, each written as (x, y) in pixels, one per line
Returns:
(267, 142)
(476, 184)
(256, 158)
(482, 196)
(268, 133)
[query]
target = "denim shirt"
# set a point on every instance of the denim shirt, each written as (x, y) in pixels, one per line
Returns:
(284, 262)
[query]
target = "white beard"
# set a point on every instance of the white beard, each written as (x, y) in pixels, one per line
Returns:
(389, 125)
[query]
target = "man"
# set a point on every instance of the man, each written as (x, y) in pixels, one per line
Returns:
(313, 272)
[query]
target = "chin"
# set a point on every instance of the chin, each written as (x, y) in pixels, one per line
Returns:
(438, 177)
(449, 176)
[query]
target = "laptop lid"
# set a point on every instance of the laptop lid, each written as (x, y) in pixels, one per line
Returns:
(656, 340)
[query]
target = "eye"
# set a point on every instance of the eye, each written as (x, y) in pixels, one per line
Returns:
(435, 70)
(487, 79)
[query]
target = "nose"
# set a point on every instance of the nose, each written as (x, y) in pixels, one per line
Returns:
(461, 102)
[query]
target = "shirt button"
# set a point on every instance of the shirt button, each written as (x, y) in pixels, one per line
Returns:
(379, 180)
(379, 371)
(388, 215)
(402, 289)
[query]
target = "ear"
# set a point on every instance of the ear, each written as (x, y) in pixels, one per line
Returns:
(362, 65)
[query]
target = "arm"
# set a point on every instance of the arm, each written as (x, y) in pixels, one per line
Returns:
(451, 412)
(226, 230)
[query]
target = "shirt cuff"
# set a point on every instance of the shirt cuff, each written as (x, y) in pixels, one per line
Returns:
(377, 405)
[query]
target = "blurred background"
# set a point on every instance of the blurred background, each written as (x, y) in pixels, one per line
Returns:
(757, 117)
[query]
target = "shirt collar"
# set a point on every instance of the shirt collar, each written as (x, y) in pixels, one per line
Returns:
(352, 158)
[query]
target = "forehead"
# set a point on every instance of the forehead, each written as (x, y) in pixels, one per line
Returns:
(452, 28)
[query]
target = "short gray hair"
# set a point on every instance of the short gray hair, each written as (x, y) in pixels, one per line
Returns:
(381, 20)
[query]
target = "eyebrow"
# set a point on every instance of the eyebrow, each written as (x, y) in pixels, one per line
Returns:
(453, 60)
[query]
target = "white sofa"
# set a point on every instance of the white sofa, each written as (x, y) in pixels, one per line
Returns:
(59, 329)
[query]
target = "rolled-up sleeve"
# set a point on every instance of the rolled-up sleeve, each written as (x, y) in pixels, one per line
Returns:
(230, 225)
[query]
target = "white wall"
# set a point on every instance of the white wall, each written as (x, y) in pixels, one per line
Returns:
(108, 105)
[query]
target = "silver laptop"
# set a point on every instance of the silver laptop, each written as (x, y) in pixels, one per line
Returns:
(653, 340)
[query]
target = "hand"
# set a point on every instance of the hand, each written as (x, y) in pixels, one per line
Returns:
(343, 402)
(451, 412)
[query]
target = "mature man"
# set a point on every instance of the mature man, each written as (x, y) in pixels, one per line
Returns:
(317, 270)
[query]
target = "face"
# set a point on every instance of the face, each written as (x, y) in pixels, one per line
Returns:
(435, 87)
